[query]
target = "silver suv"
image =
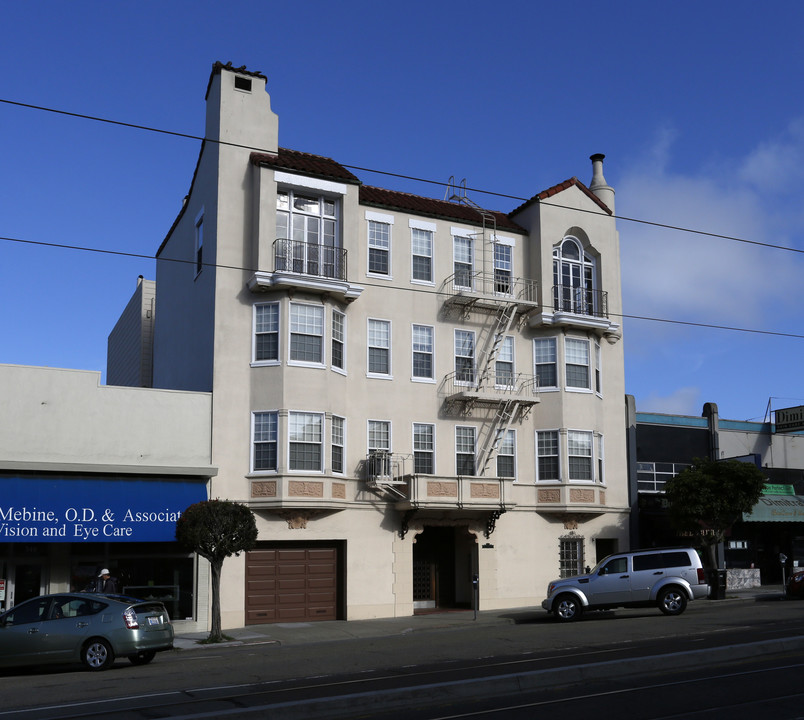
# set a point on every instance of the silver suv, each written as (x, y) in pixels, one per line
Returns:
(666, 578)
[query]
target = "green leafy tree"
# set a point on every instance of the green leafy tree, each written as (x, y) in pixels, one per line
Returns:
(217, 529)
(708, 497)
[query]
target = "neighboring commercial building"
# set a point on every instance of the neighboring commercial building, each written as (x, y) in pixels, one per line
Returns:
(130, 347)
(661, 446)
(409, 393)
(94, 477)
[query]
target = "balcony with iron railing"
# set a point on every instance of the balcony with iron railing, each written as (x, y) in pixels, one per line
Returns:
(579, 307)
(580, 301)
(490, 290)
(495, 389)
(309, 266)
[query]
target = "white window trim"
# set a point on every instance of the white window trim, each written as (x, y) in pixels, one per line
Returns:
(589, 367)
(592, 459)
(324, 428)
(597, 370)
(515, 476)
(455, 356)
(413, 443)
(385, 220)
(340, 371)
(253, 443)
(474, 458)
(302, 363)
(374, 375)
(415, 378)
(414, 224)
(547, 388)
(390, 434)
(309, 183)
(513, 363)
(558, 455)
(343, 446)
(265, 363)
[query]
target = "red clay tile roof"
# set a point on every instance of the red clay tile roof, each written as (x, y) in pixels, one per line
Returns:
(378, 197)
(305, 163)
(560, 188)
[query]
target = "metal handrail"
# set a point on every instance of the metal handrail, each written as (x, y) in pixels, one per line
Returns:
(492, 284)
(296, 256)
(580, 301)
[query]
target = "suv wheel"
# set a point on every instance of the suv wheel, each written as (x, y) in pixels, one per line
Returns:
(672, 601)
(567, 608)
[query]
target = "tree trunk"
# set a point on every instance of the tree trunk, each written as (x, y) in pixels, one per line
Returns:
(215, 634)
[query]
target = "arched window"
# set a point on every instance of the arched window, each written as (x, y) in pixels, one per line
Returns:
(573, 279)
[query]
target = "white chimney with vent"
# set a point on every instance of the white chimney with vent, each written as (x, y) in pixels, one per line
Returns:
(599, 186)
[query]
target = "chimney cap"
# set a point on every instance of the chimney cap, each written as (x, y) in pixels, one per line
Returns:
(597, 157)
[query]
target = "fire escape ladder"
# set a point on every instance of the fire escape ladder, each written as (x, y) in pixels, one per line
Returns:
(502, 325)
(500, 424)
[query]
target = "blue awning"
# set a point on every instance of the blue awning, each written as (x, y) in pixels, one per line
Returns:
(94, 509)
(777, 508)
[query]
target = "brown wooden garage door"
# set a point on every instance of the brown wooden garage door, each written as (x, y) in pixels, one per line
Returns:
(291, 585)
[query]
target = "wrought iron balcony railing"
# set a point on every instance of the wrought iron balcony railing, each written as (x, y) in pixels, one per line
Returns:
(310, 259)
(580, 301)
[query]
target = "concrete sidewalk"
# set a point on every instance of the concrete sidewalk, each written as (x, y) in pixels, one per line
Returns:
(287, 634)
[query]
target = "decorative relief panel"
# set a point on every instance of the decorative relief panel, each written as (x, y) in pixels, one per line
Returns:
(305, 488)
(339, 491)
(263, 488)
(549, 495)
(581, 495)
(602, 497)
(442, 489)
(485, 490)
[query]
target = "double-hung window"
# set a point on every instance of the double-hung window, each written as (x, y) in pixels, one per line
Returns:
(264, 432)
(503, 269)
(306, 333)
(421, 246)
(506, 455)
(338, 356)
(338, 436)
(422, 342)
(379, 255)
(465, 450)
(544, 356)
(423, 448)
(547, 467)
(504, 365)
(379, 347)
(598, 376)
(465, 357)
(579, 455)
(305, 435)
(462, 261)
(576, 356)
(266, 332)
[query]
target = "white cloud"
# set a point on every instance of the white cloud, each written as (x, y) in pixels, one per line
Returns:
(684, 401)
(695, 277)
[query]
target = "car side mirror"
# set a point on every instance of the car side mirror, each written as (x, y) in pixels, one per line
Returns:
(604, 571)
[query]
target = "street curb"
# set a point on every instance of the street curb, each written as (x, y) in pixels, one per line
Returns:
(518, 683)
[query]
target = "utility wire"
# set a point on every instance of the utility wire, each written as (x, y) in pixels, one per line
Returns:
(189, 136)
(624, 316)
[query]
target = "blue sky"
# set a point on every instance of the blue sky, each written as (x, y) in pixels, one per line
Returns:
(698, 107)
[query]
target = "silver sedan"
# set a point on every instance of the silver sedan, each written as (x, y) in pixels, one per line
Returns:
(83, 627)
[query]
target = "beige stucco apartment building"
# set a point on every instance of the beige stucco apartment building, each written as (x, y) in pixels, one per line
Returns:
(411, 394)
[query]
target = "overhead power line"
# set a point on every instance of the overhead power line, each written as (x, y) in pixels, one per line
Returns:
(624, 316)
(400, 176)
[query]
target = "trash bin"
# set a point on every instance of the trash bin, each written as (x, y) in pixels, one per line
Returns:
(717, 583)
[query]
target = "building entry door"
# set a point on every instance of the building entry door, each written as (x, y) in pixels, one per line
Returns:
(25, 581)
(444, 559)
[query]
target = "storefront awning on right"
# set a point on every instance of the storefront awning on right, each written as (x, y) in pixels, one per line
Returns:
(777, 508)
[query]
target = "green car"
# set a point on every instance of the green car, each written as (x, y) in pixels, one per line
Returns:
(91, 628)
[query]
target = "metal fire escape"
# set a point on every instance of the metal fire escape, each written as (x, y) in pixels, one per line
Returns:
(508, 300)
